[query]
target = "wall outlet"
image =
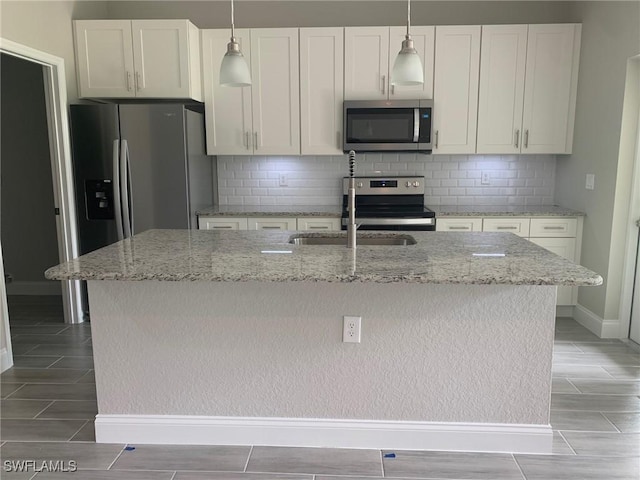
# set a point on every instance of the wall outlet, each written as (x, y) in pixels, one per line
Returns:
(486, 179)
(283, 180)
(591, 182)
(351, 329)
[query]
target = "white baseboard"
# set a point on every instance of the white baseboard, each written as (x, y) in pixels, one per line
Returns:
(6, 360)
(293, 432)
(598, 325)
(564, 311)
(46, 287)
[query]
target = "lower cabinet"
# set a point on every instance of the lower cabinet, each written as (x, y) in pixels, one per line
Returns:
(269, 223)
(458, 224)
(318, 223)
(222, 223)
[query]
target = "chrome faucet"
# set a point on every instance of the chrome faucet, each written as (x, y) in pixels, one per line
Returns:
(351, 202)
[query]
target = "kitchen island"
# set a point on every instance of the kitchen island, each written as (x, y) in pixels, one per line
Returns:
(217, 337)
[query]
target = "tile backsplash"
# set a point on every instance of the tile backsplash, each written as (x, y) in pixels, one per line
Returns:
(449, 179)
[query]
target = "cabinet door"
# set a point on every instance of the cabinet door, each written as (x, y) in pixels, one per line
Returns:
(550, 88)
(564, 247)
(321, 90)
(275, 91)
(554, 227)
(222, 223)
(424, 42)
(519, 226)
(227, 109)
(502, 69)
(161, 54)
(104, 58)
(271, 223)
(461, 224)
(318, 223)
(366, 63)
(455, 92)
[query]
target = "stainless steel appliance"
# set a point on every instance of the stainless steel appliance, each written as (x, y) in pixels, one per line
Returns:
(388, 203)
(136, 167)
(388, 126)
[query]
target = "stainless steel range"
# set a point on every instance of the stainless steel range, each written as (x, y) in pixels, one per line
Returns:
(389, 203)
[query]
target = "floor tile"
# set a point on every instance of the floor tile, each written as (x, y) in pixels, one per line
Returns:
(16, 475)
(90, 377)
(39, 375)
(625, 422)
(19, 321)
(583, 421)
(86, 433)
(107, 475)
(624, 373)
(22, 349)
(37, 329)
(559, 467)
(48, 339)
(604, 444)
(22, 408)
(477, 466)
(183, 457)
(26, 361)
(597, 359)
(7, 389)
(84, 363)
(576, 371)
(609, 387)
(615, 348)
(562, 385)
(327, 461)
(63, 350)
(560, 445)
(597, 403)
(70, 410)
(251, 476)
(77, 391)
(39, 430)
(86, 455)
(565, 348)
(576, 336)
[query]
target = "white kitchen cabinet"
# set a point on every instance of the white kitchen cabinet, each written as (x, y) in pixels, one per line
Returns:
(553, 227)
(369, 56)
(519, 226)
(138, 58)
(318, 223)
(459, 224)
(564, 247)
(456, 73)
(271, 223)
(500, 100)
(265, 117)
(222, 223)
(321, 90)
(553, 53)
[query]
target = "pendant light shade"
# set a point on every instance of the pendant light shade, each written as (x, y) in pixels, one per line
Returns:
(234, 71)
(407, 69)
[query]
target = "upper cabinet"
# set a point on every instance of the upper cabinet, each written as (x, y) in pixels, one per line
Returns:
(369, 55)
(528, 84)
(455, 97)
(321, 90)
(262, 119)
(137, 58)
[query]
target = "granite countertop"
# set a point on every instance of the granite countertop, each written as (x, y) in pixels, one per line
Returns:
(336, 210)
(237, 256)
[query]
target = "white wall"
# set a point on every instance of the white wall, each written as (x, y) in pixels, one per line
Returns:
(610, 35)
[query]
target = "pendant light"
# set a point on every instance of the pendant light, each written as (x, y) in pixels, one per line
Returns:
(234, 71)
(407, 69)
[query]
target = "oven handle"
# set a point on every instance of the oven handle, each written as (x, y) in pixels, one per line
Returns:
(392, 221)
(416, 125)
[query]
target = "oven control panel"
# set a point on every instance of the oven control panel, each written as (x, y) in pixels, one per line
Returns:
(386, 185)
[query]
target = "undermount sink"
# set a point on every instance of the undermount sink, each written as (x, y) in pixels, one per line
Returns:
(385, 240)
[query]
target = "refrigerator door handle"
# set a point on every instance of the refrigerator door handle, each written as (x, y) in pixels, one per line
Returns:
(117, 205)
(124, 188)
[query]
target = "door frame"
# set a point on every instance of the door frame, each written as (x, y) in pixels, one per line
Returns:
(632, 146)
(55, 87)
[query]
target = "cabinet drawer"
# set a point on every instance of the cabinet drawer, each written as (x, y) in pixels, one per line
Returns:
(519, 226)
(271, 223)
(318, 223)
(222, 223)
(553, 227)
(461, 224)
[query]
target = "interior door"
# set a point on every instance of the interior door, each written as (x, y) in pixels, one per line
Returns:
(634, 329)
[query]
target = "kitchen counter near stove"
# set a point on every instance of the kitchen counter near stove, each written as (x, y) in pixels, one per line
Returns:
(504, 211)
(270, 211)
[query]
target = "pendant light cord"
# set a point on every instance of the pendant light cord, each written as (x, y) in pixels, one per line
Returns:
(232, 23)
(408, 16)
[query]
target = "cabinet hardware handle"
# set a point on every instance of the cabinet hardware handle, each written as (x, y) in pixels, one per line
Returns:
(315, 227)
(436, 145)
(267, 227)
(459, 228)
(393, 89)
(553, 228)
(255, 140)
(339, 137)
(128, 80)
(517, 137)
(502, 227)
(138, 82)
(246, 139)
(213, 227)
(526, 138)
(384, 84)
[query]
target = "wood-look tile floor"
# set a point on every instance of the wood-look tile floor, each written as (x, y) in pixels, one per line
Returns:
(49, 401)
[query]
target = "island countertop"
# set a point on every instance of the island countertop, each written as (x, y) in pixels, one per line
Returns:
(239, 256)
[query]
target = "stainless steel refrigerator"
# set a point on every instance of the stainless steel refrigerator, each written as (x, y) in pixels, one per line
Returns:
(137, 167)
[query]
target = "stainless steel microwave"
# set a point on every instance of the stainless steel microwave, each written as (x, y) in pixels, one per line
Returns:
(388, 126)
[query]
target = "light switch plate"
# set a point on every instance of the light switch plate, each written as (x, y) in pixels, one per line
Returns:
(591, 181)
(283, 180)
(486, 178)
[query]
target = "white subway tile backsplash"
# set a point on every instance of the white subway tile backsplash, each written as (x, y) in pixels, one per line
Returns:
(449, 179)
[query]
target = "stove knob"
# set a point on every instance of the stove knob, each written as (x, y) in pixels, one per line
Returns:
(408, 184)
(360, 185)
(416, 184)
